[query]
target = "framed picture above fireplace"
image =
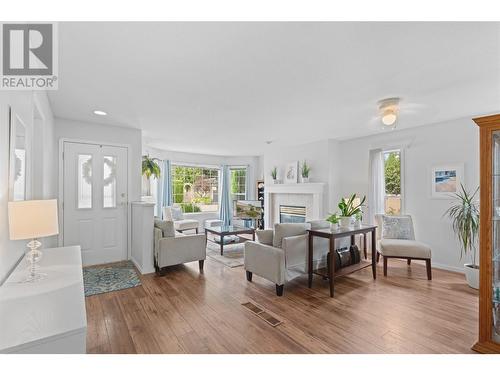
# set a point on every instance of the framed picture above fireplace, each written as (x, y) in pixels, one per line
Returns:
(291, 172)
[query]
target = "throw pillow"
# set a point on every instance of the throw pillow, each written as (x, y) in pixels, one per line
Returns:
(397, 227)
(167, 227)
(288, 230)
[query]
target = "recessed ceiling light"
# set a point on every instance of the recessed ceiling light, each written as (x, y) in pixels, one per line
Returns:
(100, 113)
(269, 141)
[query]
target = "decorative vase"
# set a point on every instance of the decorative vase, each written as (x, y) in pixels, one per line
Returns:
(275, 181)
(472, 275)
(305, 180)
(357, 223)
(345, 221)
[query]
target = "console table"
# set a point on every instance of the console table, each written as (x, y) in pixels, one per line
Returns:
(47, 316)
(330, 273)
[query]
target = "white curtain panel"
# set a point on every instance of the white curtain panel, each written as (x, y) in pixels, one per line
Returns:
(376, 192)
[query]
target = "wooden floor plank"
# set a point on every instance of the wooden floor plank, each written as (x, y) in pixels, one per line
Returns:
(189, 312)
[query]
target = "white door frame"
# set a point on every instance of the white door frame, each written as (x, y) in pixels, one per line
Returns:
(61, 186)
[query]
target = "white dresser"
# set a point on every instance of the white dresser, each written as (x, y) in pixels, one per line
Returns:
(47, 316)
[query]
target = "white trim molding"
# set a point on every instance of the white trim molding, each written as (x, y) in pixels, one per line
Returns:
(316, 190)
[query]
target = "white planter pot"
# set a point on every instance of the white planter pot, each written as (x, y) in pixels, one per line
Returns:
(334, 226)
(345, 221)
(357, 224)
(472, 276)
(305, 180)
(275, 181)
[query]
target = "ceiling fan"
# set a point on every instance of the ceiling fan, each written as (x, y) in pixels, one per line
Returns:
(390, 110)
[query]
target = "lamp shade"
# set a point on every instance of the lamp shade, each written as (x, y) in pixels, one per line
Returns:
(33, 219)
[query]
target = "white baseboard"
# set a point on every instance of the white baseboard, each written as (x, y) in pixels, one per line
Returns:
(448, 268)
(142, 270)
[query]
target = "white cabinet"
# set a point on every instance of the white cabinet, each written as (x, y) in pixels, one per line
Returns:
(47, 316)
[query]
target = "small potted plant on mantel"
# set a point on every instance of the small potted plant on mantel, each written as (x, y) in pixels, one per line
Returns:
(150, 168)
(274, 175)
(348, 209)
(304, 172)
(464, 215)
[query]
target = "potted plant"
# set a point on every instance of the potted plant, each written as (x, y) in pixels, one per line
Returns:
(304, 171)
(464, 215)
(348, 208)
(150, 167)
(358, 216)
(274, 174)
(334, 221)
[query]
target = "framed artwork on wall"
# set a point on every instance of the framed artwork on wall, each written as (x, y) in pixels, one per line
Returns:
(291, 172)
(446, 180)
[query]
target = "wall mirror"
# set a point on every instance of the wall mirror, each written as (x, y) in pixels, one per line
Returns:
(19, 156)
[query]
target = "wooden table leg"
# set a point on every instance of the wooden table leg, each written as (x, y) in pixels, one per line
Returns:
(364, 246)
(221, 237)
(331, 275)
(253, 236)
(310, 261)
(353, 240)
(374, 254)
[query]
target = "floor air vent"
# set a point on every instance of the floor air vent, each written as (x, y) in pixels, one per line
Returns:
(261, 313)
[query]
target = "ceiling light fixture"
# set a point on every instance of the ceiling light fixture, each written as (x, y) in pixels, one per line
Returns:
(100, 113)
(389, 112)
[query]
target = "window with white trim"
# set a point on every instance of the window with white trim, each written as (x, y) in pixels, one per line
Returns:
(393, 181)
(238, 183)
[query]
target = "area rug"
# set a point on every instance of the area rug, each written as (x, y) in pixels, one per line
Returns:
(109, 278)
(233, 254)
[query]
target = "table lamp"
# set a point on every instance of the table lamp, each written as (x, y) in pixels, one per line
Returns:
(33, 220)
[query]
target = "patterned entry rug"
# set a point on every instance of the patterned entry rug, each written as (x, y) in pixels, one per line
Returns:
(233, 254)
(109, 278)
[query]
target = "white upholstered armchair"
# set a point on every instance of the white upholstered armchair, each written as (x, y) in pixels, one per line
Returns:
(172, 248)
(396, 239)
(280, 255)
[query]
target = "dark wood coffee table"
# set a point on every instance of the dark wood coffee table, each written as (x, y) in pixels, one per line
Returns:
(330, 272)
(229, 230)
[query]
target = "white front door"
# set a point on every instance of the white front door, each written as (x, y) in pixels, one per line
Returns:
(95, 201)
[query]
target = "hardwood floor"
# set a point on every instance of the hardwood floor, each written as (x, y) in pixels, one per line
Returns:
(188, 312)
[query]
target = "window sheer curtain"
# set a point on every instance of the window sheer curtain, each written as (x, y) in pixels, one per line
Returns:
(376, 192)
(225, 209)
(164, 194)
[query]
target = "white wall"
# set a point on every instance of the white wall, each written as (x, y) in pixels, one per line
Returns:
(317, 154)
(443, 143)
(99, 133)
(42, 184)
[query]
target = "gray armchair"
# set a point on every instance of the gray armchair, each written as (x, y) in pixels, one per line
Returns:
(172, 248)
(280, 255)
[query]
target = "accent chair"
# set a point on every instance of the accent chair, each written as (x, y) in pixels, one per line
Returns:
(181, 224)
(172, 247)
(396, 239)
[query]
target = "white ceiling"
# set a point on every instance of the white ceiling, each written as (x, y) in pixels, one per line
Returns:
(226, 88)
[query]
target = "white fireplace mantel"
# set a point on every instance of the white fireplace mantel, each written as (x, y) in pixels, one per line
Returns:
(314, 189)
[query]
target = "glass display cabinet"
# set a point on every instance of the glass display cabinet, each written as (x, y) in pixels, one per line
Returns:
(489, 236)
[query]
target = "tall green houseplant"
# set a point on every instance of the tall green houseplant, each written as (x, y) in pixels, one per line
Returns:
(464, 215)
